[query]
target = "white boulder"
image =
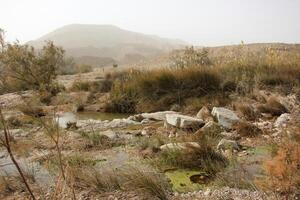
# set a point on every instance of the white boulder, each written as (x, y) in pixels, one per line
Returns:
(183, 121)
(159, 116)
(225, 117)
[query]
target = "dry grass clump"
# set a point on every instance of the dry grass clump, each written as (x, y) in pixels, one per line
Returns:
(33, 111)
(282, 171)
(204, 158)
(235, 176)
(247, 129)
(99, 141)
(272, 106)
(144, 180)
(162, 88)
(10, 184)
(14, 122)
(92, 86)
(159, 89)
(246, 110)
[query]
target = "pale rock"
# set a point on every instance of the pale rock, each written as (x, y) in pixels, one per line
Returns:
(225, 117)
(110, 134)
(145, 121)
(230, 135)
(225, 144)
(179, 146)
(183, 121)
(282, 120)
(66, 118)
(158, 116)
(175, 107)
(147, 131)
(207, 192)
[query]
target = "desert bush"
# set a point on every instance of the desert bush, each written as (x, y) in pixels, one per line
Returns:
(242, 73)
(247, 129)
(204, 158)
(70, 67)
(235, 176)
(92, 86)
(46, 92)
(80, 86)
(23, 66)
(123, 98)
(83, 68)
(32, 110)
(272, 106)
(127, 178)
(282, 171)
(97, 140)
(147, 181)
(101, 180)
(246, 110)
(152, 143)
(78, 160)
(14, 122)
(163, 88)
(190, 57)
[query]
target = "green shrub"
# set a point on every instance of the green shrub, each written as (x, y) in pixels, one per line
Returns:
(162, 88)
(25, 68)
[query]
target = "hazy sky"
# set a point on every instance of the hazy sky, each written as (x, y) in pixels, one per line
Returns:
(202, 22)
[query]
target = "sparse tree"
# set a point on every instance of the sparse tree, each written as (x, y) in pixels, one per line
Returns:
(29, 68)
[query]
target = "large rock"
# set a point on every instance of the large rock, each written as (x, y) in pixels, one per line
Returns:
(159, 116)
(225, 117)
(89, 125)
(183, 121)
(204, 114)
(282, 120)
(179, 146)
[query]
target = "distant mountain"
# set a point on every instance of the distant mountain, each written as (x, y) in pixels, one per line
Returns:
(108, 42)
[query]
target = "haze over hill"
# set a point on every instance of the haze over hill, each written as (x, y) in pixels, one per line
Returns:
(103, 44)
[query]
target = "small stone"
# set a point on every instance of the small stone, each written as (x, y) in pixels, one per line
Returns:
(207, 192)
(111, 197)
(145, 121)
(225, 144)
(282, 120)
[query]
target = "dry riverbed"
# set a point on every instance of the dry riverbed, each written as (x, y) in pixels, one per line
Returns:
(105, 155)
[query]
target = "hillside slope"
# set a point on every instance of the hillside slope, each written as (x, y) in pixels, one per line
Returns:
(108, 41)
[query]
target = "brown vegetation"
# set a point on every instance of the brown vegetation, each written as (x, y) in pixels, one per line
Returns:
(283, 174)
(247, 129)
(272, 106)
